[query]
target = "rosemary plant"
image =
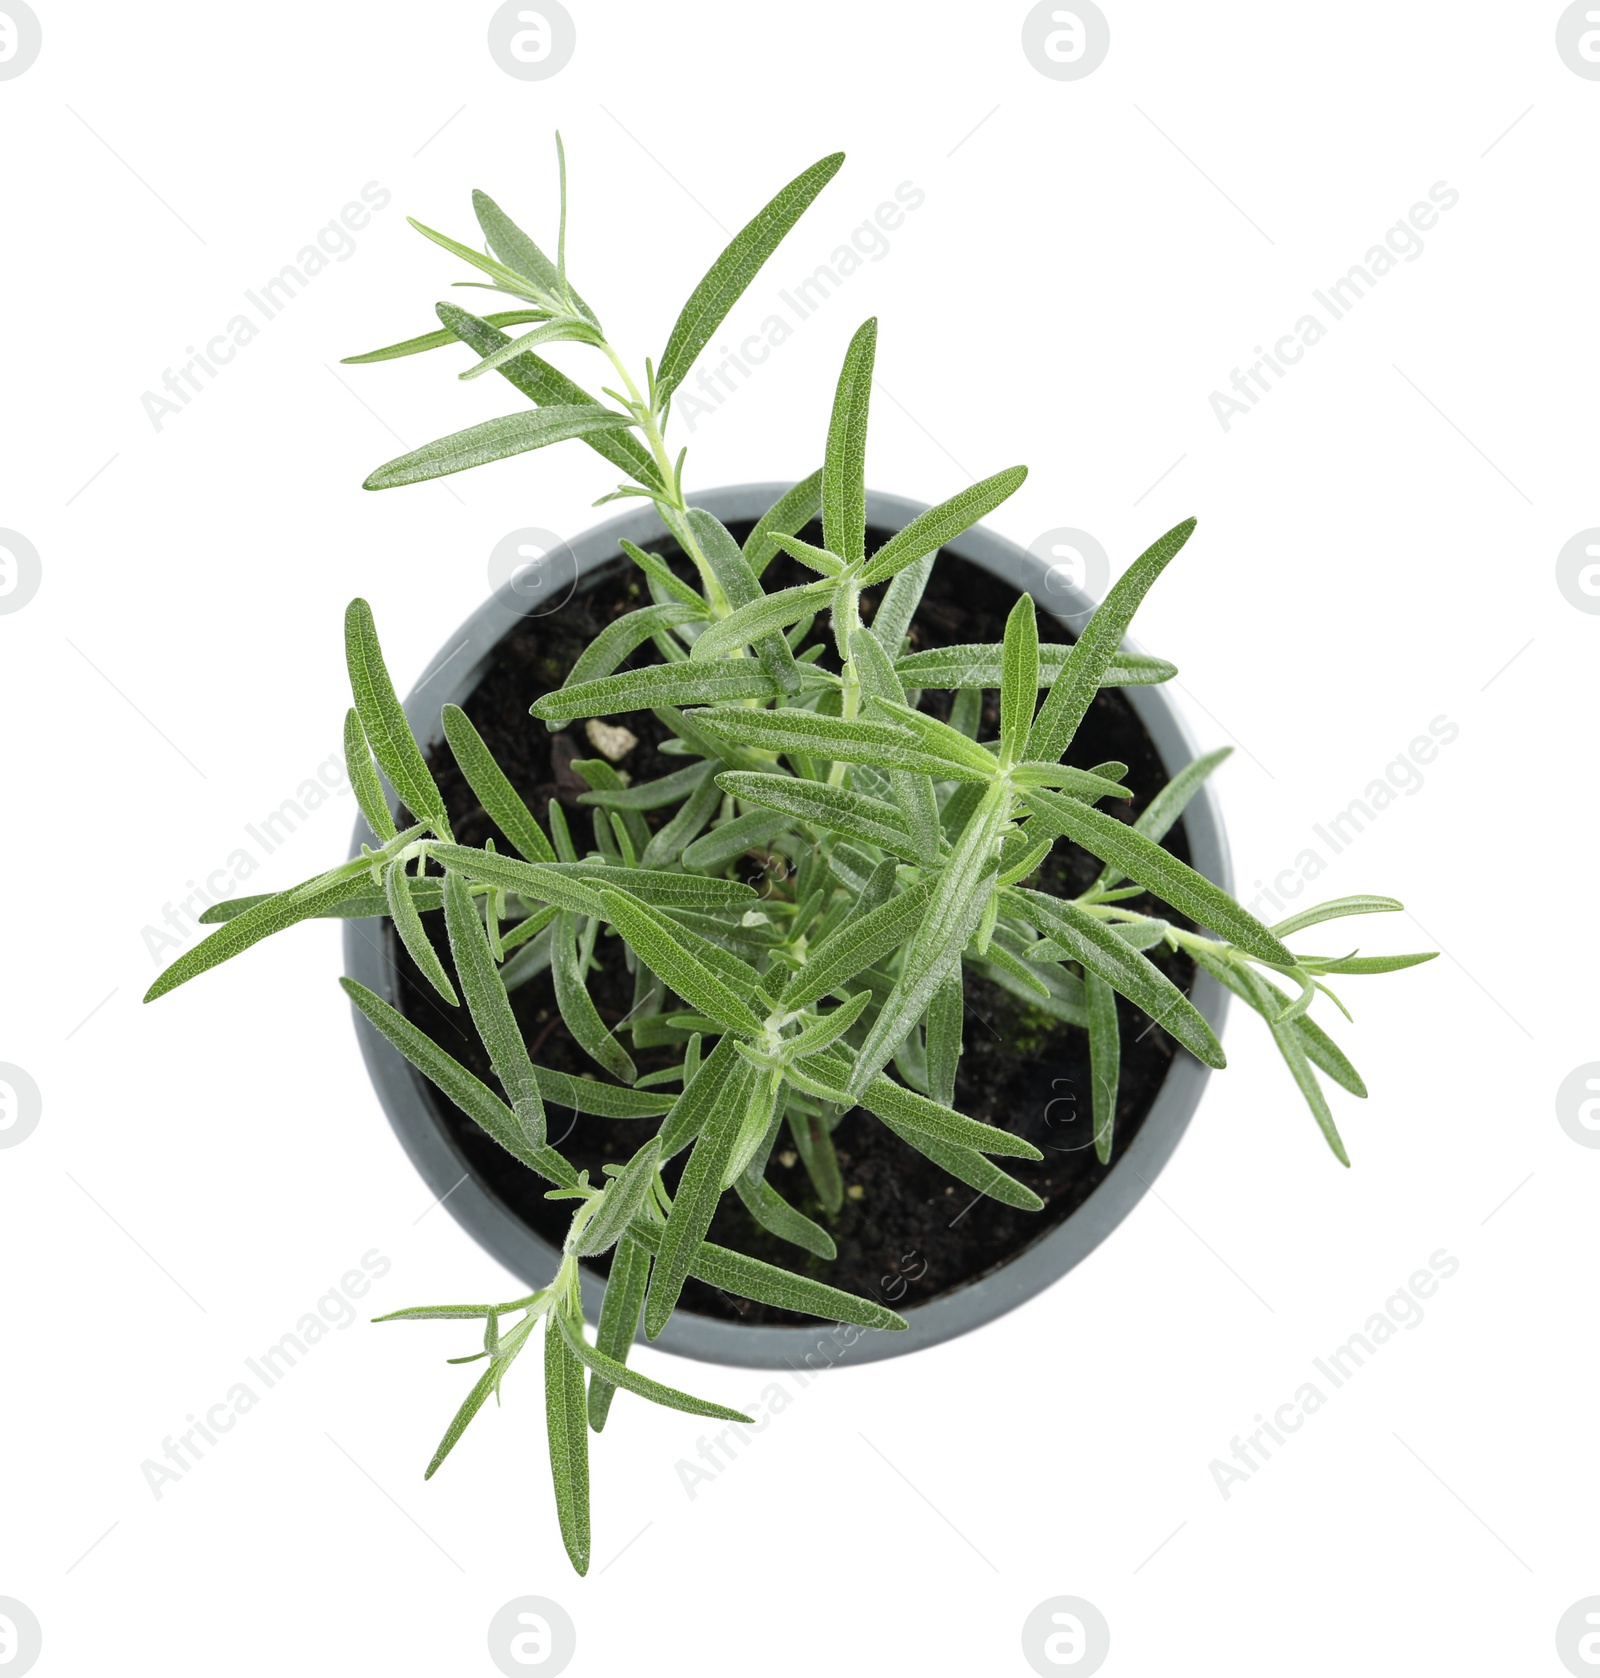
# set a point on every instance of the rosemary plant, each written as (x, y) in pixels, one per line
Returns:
(911, 843)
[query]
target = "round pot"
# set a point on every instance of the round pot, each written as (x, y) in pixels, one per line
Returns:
(404, 1094)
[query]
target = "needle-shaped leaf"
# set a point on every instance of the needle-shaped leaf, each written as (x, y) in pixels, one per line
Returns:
(962, 1162)
(364, 778)
(885, 745)
(626, 822)
(1078, 783)
(684, 683)
(1094, 944)
(966, 711)
(693, 741)
(565, 886)
(490, 1008)
(675, 836)
(589, 1095)
(650, 795)
(408, 924)
(946, 1014)
(1168, 805)
(1294, 1055)
(844, 486)
(564, 329)
(1308, 991)
(669, 585)
(620, 1204)
(560, 833)
(514, 248)
(731, 839)
(575, 885)
(859, 942)
(1141, 859)
(473, 1097)
(543, 384)
(525, 945)
(977, 664)
(1377, 964)
(384, 723)
(907, 1112)
(659, 943)
(751, 1278)
(702, 1096)
(913, 792)
(997, 956)
(500, 800)
(518, 252)
(439, 1313)
(940, 738)
(1292, 1045)
(666, 889)
(792, 511)
(734, 269)
(495, 439)
(1269, 1001)
(471, 1405)
(813, 1142)
(695, 1200)
(567, 1428)
(851, 865)
(870, 820)
(1105, 1060)
(822, 560)
(1019, 678)
(561, 232)
(1135, 670)
(898, 606)
(776, 1215)
(760, 1104)
(720, 957)
(440, 339)
(929, 531)
(1335, 910)
(623, 635)
(505, 278)
(762, 616)
(619, 1320)
(619, 1375)
(1066, 1003)
(738, 582)
(311, 898)
(1095, 650)
(569, 975)
(827, 1028)
(1021, 854)
(967, 1165)
(363, 903)
(955, 909)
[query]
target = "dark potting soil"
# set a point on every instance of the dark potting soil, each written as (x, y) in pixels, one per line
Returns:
(907, 1232)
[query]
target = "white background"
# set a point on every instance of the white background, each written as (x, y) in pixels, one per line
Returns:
(1376, 549)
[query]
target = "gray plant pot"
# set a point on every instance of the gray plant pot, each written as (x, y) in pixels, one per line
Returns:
(403, 1092)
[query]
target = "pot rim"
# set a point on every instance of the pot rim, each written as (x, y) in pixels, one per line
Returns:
(403, 1092)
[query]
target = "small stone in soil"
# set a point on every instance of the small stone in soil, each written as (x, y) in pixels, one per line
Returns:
(611, 740)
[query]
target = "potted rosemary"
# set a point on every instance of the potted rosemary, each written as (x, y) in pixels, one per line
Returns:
(708, 943)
